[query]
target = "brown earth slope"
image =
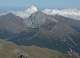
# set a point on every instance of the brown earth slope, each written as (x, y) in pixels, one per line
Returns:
(11, 50)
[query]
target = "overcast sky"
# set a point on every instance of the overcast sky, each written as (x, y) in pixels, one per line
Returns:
(19, 4)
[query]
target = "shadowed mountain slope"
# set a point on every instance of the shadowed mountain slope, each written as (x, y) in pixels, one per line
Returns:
(11, 23)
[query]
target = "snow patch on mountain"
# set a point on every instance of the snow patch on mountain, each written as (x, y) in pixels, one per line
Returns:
(72, 13)
(27, 12)
(62, 12)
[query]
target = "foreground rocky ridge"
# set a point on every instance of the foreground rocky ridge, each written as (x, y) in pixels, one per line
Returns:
(11, 50)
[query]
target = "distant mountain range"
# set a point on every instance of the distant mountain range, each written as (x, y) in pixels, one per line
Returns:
(51, 31)
(73, 13)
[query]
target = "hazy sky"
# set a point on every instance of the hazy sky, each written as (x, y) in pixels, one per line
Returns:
(18, 4)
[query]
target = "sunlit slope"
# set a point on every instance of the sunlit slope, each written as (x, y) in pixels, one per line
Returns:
(10, 50)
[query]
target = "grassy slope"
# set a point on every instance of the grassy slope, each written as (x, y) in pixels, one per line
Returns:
(10, 50)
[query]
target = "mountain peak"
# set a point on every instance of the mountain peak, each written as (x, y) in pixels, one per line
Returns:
(32, 9)
(27, 12)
